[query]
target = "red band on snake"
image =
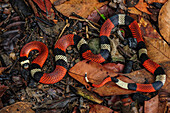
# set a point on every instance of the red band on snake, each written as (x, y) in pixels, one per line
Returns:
(67, 40)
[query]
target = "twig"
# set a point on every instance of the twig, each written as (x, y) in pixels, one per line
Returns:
(87, 35)
(85, 20)
(80, 17)
(67, 25)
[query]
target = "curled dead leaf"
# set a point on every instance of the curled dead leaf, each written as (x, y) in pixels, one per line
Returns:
(164, 21)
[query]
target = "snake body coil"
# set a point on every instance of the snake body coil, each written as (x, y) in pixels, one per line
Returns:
(70, 39)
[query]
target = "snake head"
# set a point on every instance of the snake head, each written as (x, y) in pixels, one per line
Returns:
(26, 65)
(24, 62)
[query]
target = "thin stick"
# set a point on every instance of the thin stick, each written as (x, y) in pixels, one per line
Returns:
(67, 25)
(87, 22)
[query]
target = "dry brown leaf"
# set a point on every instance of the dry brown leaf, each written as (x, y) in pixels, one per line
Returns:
(147, 30)
(162, 107)
(114, 67)
(96, 73)
(158, 50)
(133, 10)
(141, 5)
(80, 7)
(164, 21)
(95, 108)
(19, 107)
(151, 106)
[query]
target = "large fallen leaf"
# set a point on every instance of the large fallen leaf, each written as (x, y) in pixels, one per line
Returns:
(158, 50)
(95, 108)
(151, 106)
(147, 30)
(19, 107)
(164, 21)
(80, 7)
(96, 73)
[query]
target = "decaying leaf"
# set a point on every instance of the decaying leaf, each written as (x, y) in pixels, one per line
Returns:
(19, 107)
(80, 7)
(147, 30)
(164, 21)
(95, 108)
(96, 73)
(87, 94)
(151, 106)
(158, 50)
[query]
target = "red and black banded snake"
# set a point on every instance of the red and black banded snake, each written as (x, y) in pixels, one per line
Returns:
(71, 39)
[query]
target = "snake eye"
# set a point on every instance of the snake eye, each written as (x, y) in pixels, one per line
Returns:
(26, 65)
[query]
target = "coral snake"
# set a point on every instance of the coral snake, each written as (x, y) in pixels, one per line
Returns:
(71, 39)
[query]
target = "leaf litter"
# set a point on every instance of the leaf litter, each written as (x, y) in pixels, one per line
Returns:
(47, 21)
